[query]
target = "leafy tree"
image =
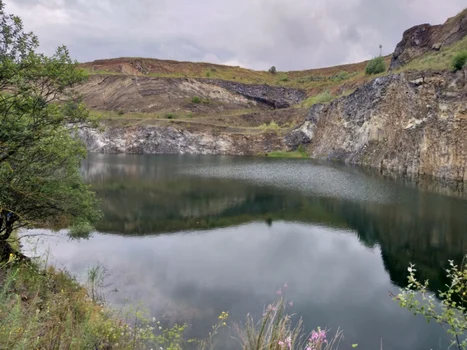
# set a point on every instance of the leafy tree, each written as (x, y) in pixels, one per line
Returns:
(40, 182)
(459, 60)
(376, 66)
(273, 70)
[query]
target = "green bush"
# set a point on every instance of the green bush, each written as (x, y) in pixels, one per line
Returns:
(121, 112)
(459, 60)
(272, 126)
(196, 100)
(170, 116)
(375, 66)
(343, 75)
(273, 70)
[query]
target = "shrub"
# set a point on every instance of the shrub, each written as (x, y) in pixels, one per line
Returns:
(208, 74)
(273, 70)
(375, 66)
(459, 60)
(170, 116)
(450, 311)
(196, 100)
(273, 126)
(283, 78)
(120, 112)
(343, 75)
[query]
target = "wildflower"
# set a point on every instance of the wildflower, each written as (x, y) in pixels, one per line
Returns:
(286, 286)
(308, 348)
(289, 342)
(291, 303)
(279, 292)
(281, 343)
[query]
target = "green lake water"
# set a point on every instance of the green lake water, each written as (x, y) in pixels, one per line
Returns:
(191, 236)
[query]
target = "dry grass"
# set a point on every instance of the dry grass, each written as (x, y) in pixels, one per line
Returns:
(48, 309)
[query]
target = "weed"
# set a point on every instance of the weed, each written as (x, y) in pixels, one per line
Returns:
(323, 97)
(196, 100)
(272, 126)
(276, 331)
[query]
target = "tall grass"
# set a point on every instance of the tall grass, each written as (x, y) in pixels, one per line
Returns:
(277, 331)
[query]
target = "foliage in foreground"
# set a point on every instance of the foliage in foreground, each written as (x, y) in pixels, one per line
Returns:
(40, 183)
(375, 66)
(50, 310)
(277, 330)
(450, 312)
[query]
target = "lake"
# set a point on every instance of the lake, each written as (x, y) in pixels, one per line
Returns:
(191, 236)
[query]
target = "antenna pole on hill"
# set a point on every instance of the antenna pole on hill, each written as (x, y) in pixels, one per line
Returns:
(380, 50)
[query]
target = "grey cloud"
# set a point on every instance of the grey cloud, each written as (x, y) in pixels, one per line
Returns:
(291, 34)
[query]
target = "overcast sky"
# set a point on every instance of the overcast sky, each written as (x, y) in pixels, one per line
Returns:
(290, 34)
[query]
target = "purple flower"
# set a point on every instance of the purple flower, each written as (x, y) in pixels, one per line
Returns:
(291, 303)
(279, 292)
(281, 343)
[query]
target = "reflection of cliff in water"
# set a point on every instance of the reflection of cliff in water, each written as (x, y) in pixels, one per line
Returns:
(142, 198)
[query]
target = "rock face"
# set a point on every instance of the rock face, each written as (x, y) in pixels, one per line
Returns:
(403, 123)
(158, 139)
(274, 96)
(420, 39)
(148, 95)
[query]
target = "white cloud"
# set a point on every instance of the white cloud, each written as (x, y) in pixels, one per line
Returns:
(290, 34)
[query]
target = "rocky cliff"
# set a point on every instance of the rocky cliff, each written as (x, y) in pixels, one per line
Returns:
(160, 139)
(411, 123)
(407, 123)
(423, 38)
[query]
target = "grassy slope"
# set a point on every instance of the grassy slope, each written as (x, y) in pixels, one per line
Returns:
(313, 80)
(435, 60)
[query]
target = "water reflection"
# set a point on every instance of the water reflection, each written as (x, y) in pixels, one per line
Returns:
(147, 195)
(192, 236)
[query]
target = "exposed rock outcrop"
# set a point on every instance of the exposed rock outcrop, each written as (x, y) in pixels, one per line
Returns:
(158, 139)
(420, 39)
(404, 123)
(147, 95)
(274, 96)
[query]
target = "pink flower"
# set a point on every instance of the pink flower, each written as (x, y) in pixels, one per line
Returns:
(308, 348)
(279, 292)
(285, 286)
(289, 342)
(291, 303)
(280, 342)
